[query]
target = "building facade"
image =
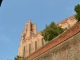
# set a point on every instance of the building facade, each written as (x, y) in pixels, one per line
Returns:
(68, 22)
(31, 41)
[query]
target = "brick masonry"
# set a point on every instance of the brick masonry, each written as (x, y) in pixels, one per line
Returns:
(64, 47)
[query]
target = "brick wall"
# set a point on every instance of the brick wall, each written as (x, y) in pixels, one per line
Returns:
(55, 43)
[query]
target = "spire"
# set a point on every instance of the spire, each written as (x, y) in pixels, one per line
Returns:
(29, 21)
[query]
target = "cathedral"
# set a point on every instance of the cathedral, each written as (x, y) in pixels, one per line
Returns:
(31, 40)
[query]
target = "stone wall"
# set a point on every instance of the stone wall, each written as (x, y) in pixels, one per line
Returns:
(64, 47)
(68, 50)
(68, 22)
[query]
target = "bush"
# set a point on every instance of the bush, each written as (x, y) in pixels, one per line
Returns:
(77, 10)
(51, 31)
(18, 58)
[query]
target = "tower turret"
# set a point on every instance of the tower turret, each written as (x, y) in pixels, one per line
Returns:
(34, 30)
(29, 25)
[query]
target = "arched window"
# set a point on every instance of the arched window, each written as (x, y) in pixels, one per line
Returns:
(29, 48)
(24, 52)
(35, 45)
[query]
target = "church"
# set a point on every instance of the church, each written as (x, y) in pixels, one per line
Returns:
(31, 40)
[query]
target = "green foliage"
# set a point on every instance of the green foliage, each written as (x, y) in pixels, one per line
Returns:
(51, 31)
(77, 10)
(18, 58)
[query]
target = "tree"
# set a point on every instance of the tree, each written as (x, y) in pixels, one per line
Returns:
(77, 10)
(18, 58)
(1, 2)
(51, 31)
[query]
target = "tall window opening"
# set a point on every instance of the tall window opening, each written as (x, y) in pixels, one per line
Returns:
(29, 48)
(24, 52)
(35, 45)
(42, 42)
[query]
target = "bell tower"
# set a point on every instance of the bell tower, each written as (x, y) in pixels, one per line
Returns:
(34, 30)
(29, 27)
(29, 40)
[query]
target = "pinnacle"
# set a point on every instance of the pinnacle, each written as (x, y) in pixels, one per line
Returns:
(29, 20)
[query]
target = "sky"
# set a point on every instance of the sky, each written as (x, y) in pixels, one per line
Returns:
(14, 14)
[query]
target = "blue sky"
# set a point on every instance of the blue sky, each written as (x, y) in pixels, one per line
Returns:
(14, 14)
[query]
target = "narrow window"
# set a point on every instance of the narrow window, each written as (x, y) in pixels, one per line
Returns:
(29, 48)
(24, 52)
(42, 42)
(35, 45)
